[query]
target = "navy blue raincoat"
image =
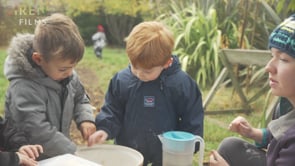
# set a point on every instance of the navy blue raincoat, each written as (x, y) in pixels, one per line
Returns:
(136, 112)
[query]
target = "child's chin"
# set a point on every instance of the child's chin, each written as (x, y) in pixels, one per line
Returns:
(58, 79)
(145, 80)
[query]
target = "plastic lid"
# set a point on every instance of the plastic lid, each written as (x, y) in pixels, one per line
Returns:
(179, 136)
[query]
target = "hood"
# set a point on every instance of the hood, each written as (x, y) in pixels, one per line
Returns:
(173, 68)
(166, 72)
(17, 63)
(280, 126)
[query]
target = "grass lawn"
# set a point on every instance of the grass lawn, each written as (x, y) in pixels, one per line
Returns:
(3, 81)
(115, 59)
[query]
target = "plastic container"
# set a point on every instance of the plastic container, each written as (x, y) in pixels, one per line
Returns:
(111, 155)
(178, 148)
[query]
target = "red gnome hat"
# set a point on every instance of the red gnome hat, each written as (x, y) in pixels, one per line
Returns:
(100, 28)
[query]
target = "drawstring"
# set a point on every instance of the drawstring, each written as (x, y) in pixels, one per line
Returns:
(162, 82)
(161, 85)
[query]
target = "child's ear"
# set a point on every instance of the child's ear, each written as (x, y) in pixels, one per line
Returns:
(168, 63)
(37, 58)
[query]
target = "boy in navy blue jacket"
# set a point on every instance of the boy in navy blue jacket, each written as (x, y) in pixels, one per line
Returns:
(151, 96)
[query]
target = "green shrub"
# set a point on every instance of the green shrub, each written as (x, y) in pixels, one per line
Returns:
(3, 81)
(197, 41)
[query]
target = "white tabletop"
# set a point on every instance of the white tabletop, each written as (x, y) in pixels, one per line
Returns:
(67, 160)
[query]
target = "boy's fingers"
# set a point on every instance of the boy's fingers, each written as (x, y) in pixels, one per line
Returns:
(91, 141)
(32, 151)
(29, 152)
(96, 139)
(40, 148)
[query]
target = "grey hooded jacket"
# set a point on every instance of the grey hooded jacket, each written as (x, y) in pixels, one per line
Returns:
(40, 106)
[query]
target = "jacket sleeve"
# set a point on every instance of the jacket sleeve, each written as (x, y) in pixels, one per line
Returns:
(283, 151)
(83, 109)
(111, 115)
(28, 110)
(286, 156)
(11, 139)
(190, 108)
(9, 159)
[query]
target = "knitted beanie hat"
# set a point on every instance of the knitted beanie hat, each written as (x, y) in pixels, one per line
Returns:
(283, 36)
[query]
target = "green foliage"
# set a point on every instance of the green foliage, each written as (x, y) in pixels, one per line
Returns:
(73, 7)
(3, 81)
(197, 41)
(118, 18)
(127, 7)
(119, 26)
(87, 23)
(122, 16)
(22, 16)
(283, 7)
(204, 27)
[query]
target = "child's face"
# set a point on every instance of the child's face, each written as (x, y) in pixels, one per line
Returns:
(146, 75)
(58, 69)
(281, 70)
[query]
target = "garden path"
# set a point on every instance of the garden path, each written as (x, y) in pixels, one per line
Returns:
(90, 82)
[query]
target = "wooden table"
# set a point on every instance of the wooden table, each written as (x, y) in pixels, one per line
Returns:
(231, 57)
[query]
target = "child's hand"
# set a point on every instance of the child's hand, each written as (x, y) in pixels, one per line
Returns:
(31, 151)
(25, 160)
(216, 159)
(98, 137)
(87, 128)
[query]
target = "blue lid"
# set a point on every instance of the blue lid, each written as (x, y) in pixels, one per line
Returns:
(179, 136)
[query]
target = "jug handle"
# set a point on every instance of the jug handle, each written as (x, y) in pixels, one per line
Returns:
(201, 149)
(160, 136)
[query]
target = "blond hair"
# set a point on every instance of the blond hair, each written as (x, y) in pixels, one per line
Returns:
(149, 44)
(58, 36)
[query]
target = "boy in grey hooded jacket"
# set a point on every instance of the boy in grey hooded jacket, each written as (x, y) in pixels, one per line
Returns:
(45, 93)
